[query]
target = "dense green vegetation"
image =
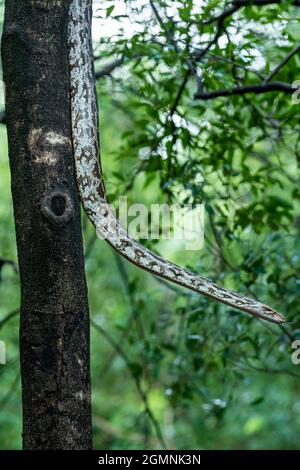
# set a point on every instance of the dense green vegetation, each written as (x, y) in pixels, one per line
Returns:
(169, 367)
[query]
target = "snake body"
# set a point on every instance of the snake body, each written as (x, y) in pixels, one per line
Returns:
(85, 125)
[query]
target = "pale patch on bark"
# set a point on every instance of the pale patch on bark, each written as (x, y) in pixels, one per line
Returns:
(42, 145)
(47, 4)
(80, 395)
(54, 138)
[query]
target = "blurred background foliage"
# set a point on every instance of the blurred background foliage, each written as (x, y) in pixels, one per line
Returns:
(169, 368)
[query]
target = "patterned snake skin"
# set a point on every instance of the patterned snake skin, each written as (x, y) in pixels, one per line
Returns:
(84, 114)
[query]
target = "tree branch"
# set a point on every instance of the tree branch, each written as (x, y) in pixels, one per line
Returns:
(248, 3)
(238, 4)
(163, 25)
(243, 90)
(282, 63)
(109, 68)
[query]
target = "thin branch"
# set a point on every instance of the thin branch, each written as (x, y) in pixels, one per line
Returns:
(190, 62)
(223, 16)
(139, 388)
(197, 56)
(249, 3)
(282, 63)
(163, 25)
(268, 370)
(243, 90)
(173, 42)
(238, 4)
(109, 68)
(236, 64)
(180, 93)
(171, 116)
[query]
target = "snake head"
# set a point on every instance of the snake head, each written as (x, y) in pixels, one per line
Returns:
(267, 313)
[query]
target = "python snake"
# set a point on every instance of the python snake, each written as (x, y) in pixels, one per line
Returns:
(85, 134)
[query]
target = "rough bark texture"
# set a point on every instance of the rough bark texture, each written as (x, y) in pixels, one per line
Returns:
(54, 330)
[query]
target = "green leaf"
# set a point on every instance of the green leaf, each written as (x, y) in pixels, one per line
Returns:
(109, 10)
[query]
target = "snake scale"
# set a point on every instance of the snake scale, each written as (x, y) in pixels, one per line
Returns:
(85, 125)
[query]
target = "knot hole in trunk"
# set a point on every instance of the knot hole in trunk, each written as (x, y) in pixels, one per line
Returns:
(57, 206)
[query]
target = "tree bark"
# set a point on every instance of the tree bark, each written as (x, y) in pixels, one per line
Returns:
(54, 327)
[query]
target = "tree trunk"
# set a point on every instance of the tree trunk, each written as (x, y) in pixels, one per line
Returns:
(54, 328)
